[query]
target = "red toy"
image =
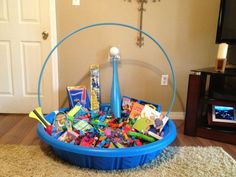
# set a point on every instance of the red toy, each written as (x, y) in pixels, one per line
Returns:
(87, 141)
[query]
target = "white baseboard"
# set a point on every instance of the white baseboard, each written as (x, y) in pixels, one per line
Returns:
(176, 115)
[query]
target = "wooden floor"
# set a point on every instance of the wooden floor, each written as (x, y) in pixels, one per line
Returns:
(19, 129)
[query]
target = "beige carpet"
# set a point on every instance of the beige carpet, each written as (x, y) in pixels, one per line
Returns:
(28, 161)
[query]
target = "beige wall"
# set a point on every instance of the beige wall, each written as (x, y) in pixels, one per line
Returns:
(185, 28)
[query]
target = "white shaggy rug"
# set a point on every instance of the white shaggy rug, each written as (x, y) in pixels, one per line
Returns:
(18, 160)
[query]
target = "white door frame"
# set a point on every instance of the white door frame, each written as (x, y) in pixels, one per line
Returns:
(54, 57)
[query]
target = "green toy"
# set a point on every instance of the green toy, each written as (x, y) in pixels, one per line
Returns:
(141, 136)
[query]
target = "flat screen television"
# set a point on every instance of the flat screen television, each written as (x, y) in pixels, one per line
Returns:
(226, 29)
(231, 55)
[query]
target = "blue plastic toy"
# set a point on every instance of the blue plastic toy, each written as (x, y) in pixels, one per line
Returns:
(109, 159)
(115, 97)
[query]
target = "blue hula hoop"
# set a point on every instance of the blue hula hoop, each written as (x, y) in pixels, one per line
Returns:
(110, 24)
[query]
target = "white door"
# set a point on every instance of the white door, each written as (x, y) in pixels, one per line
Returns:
(22, 53)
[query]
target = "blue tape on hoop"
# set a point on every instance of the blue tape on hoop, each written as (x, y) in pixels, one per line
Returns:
(110, 24)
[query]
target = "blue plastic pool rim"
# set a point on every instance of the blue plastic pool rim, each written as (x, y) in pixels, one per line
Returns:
(102, 152)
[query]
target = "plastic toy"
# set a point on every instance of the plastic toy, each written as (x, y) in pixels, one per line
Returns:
(141, 136)
(78, 94)
(154, 135)
(82, 125)
(86, 141)
(138, 142)
(38, 115)
(118, 145)
(95, 87)
(72, 112)
(97, 123)
(115, 97)
(109, 159)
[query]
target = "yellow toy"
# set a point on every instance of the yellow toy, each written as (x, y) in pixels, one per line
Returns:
(38, 115)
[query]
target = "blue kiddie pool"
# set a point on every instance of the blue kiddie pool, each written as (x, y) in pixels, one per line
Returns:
(102, 158)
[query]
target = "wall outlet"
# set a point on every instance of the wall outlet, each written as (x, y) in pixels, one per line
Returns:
(164, 79)
(75, 2)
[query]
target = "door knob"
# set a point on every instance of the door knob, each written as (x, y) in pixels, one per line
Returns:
(45, 35)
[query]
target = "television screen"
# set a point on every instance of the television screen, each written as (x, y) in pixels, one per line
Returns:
(226, 31)
(231, 54)
(223, 114)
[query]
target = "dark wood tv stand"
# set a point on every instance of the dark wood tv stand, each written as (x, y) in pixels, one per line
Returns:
(204, 90)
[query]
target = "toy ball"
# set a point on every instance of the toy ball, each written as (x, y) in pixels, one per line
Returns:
(114, 51)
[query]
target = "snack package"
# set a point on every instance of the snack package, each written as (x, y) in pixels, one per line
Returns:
(142, 124)
(95, 87)
(136, 110)
(59, 121)
(158, 120)
(82, 111)
(127, 104)
(82, 125)
(78, 94)
(157, 107)
(68, 136)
